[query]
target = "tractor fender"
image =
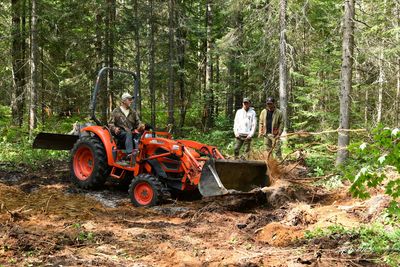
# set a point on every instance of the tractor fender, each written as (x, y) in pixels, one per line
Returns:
(157, 169)
(106, 138)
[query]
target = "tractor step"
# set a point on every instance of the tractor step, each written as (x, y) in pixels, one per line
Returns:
(117, 173)
(125, 163)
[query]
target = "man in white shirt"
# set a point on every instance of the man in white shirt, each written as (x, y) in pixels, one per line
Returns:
(244, 127)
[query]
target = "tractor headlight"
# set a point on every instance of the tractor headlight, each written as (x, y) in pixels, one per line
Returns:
(175, 147)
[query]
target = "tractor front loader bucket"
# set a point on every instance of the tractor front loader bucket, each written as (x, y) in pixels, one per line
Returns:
(221, 177)
(55, 141)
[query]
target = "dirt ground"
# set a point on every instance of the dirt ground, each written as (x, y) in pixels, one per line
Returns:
(46, 221)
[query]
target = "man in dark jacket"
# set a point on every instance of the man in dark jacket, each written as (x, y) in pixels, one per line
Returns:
(123, 121)
(271, 126)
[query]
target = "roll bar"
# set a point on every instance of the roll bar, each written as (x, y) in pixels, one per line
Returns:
(92, 106)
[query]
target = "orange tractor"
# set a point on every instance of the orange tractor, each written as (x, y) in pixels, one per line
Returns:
(161, 167)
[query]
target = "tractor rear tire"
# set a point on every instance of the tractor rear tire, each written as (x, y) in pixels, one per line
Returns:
(146, 190)
(88, 165)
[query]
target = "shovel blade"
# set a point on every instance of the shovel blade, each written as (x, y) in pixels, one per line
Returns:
(55, 141)
(219, 177)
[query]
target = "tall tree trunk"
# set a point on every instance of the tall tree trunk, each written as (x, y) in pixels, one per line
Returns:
(380, 90)
(237, 69)
(42, 89)
(381, 80)
(171, 70)
(107, 96)
(366, 107)
(217, 80)
(346, 80)
(25, 56)
(151, 65)
(103, 96)
(181, 48)
(138, 59)
(112, 14)
(34, 71)
(229, 93)
(200, 51)
(397, 100)
(282, 63)
(18, 70)
(208, 116)
(98, 40)
(100, 58)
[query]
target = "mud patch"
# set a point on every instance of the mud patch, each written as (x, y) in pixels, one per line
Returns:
(181, 212)
(279, 235)
(109, 199)
(11, 177)
(238, 202)
(255, 222)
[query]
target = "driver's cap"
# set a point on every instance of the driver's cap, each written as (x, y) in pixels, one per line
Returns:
(126, 96)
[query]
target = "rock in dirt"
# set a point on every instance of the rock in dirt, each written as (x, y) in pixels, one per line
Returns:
(171, 211)
(300, 214)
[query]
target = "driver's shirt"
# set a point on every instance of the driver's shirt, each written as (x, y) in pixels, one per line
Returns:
(127, 122)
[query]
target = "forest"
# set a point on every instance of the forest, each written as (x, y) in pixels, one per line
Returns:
(333, 67)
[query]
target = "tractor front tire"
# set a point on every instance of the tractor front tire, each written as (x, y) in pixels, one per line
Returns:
(88, 165)
(146, 190)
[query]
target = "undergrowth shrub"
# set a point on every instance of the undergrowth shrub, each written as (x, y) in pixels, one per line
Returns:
(17, 147)
(370, 162)
(379, 240)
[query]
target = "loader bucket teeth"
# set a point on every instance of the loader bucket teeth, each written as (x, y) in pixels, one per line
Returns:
(220, 177)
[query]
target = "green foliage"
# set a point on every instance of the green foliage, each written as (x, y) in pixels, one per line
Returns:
(319, 163)
(222, 139)
(16, 146)
(332, 182)
(374, 157)
(83, 236)
(376, 239)
(316, 78)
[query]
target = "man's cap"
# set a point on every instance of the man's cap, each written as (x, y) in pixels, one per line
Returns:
(270, 100)
(246, 99)
(126, 96)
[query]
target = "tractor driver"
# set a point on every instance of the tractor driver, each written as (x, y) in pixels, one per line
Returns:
(123, 121)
